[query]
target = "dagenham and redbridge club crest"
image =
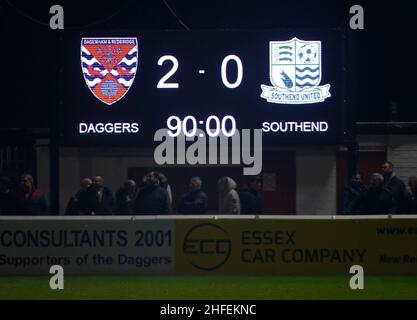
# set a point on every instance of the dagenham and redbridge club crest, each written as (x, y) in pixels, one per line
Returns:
(295, 72)
(109, 66)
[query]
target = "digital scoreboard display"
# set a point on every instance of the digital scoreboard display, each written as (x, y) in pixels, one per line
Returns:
(119, 88)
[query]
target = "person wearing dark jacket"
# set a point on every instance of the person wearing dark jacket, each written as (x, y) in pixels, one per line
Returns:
(152, 198)
(195, 201)
(351, 195)
(395, 188)
(98, 199)
(30, 201)
(75, 206)
(125, 198)
(250, 196)
(371, 201)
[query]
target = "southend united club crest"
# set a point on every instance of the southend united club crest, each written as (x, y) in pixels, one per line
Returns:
(295, 73)
(109, 66)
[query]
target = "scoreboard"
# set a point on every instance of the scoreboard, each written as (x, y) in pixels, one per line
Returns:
(119, 88)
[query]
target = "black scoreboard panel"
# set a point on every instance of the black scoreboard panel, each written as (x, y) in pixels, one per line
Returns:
(119, 88)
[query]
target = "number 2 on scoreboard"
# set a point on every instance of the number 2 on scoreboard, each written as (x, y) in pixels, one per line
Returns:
(163, 84)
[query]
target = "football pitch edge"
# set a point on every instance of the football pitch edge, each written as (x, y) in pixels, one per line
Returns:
(209, 288)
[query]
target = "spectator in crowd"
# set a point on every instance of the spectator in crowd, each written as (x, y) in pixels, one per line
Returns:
(30, 201)
(152, 198)
(163, 182)
(371, 202)
(7, 197)
(351, 195)
(410, 197)
(125, 198)
(74, 206)
(229, 202)
(250, 196)
(195, 201)
(98, 199)
(395, 188)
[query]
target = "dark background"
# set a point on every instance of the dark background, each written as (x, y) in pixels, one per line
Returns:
(380, 58)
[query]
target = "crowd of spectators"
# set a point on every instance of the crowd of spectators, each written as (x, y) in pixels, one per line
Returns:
(386, 193)
(152, 195)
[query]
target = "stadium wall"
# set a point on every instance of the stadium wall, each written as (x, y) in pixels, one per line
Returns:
(401, 150)
(316, 179)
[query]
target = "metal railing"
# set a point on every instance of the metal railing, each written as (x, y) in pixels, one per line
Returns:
(210, 217)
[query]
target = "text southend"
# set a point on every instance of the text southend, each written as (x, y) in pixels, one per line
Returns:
(295, 126)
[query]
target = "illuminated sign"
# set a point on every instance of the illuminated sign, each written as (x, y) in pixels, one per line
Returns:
(88, 128)
(109, 66)
(202, 84)
(295, 72)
